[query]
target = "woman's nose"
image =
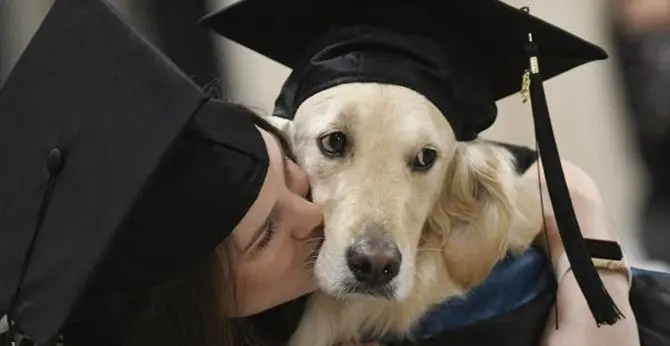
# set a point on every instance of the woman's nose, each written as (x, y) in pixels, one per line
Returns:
(308, 215)
(297, 180)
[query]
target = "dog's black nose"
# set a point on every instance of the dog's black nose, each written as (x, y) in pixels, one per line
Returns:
(374, 261)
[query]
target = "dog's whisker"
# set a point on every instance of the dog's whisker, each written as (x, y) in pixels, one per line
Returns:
(450, 252)
(429, 249)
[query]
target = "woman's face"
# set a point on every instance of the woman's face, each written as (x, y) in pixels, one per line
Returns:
(273, 244)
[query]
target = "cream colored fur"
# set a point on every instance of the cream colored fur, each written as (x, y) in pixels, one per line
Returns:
(451, 223)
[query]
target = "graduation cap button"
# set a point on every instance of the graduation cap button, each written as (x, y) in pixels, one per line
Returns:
(55, 161)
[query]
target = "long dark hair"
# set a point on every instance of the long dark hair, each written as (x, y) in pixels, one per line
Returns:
(192, 308)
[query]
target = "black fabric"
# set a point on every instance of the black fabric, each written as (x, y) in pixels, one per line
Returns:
(604, 249)
(115, 164)
(199, 192)
(427, 45)
(366, 54)
(524, 156)
(520, 327)
(276, 325)
(650, 299)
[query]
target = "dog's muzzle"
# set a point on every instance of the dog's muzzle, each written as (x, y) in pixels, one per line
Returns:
(375, 262)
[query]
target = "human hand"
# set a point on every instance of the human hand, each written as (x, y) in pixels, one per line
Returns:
(587, 203)
(576, 325)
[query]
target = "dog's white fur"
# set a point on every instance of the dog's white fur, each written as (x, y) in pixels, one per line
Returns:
(452, 223)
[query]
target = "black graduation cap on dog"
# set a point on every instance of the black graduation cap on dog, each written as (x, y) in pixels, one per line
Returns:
(116, 167)
(463, 55)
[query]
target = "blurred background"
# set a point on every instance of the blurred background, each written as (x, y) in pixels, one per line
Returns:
(611, 118)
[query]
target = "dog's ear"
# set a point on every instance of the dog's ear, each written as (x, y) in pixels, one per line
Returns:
(283, 124)
(485, 210)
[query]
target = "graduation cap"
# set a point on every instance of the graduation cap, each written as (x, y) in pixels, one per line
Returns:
(463, 55)
(116, 167)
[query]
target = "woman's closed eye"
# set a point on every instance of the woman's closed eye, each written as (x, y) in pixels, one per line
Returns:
(268, 235)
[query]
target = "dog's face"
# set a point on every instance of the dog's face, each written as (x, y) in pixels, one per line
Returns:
(376, 156)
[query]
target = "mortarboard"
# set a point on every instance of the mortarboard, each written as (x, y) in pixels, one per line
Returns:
(118, 169)
(463, 55)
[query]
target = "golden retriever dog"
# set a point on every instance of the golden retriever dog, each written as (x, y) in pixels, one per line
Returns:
(412, 216)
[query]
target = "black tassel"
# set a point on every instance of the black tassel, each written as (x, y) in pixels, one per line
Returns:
(601, 304)
(55, 163)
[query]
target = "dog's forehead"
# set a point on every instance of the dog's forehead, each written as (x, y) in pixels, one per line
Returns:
(365, 107)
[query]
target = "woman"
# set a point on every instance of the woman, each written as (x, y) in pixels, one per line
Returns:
(264, 262)
(641, 35)
(162, 215)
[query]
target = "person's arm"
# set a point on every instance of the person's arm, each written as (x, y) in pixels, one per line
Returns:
(576, 324)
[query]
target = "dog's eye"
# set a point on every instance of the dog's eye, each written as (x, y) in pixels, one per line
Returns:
(333, 144)
(424, 160)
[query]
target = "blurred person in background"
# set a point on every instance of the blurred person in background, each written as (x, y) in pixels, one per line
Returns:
(641, 34)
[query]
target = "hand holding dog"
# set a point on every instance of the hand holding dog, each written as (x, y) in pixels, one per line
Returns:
(576, 324)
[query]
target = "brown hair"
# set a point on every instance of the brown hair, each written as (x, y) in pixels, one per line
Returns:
(188, 309)
(283, 141)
